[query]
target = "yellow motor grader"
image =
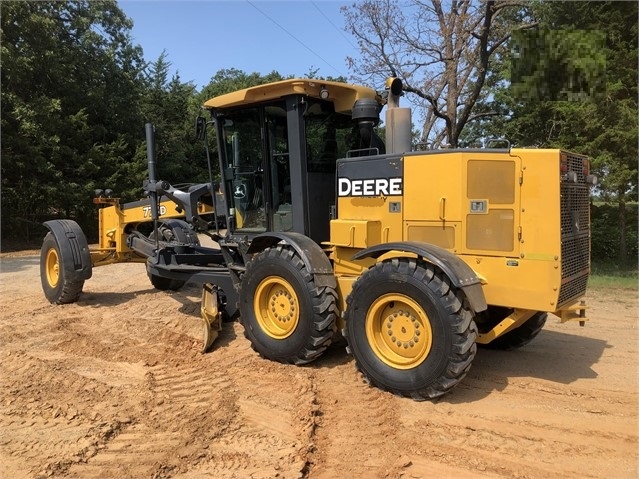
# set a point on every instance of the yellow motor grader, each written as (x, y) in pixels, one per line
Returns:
(415, 257)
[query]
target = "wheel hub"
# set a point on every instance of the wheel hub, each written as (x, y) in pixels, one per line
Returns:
(52, 267)
(403, 329)
(276, 307)
(398, 330)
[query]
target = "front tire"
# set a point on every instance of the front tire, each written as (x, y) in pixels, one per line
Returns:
(57, 287)
(410, 331)
(286, 316)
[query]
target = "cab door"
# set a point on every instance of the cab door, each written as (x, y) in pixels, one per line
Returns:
(241, 132)
(280, 208)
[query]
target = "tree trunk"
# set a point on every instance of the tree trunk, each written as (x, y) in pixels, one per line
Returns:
(623, 247)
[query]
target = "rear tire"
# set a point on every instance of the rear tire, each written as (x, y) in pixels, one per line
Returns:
(58, 289)
(172, 232)
(286, 316)
(520, 336)
(410, 331)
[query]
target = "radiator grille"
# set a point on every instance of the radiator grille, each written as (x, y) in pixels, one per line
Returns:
(575, 234)
(576, 164)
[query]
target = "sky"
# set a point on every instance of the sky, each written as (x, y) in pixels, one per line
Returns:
(202, 37)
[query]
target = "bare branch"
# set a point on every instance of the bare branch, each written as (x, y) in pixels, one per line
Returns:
(440, 49)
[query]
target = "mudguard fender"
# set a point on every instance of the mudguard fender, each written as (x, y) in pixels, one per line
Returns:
(75, 257)
(313, 256)
(460, 274)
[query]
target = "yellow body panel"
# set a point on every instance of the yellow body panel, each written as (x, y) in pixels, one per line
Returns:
(370, 217)
(525, 284)
(117, 221)
(473, 202)
(498, 210)
(356, 233)
(436, 195)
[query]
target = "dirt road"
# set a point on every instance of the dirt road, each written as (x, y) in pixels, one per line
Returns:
(114, 386)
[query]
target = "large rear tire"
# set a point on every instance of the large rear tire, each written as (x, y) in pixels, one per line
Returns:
(520, 336)
(286, 316)
(410, 331)
(57, 287)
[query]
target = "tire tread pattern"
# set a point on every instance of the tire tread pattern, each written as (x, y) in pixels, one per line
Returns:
(69, 291)
(323, 300)
(520, 336)
(460, 320)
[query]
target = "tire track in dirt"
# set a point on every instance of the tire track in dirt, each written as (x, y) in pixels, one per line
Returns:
(527, 429)
(137, 451)
(53, 422)
(115, 386)
(349, 410)
(196, 419)
(95, 359)
(182, 408)
(523, 428)
(365, 432)
(269, 429)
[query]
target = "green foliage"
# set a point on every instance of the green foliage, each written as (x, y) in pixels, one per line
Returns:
(600, 121)
(605, 228)
(228, 80)
(168, 105)
(551, 65)
(603, 281)
(76, 94)
(61, 61)
(607, 271)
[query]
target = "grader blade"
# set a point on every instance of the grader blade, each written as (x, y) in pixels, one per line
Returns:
(211, 316)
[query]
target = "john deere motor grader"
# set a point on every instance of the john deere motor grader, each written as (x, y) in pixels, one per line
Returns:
(415, 257)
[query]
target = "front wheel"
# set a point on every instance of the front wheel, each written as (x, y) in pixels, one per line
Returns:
(409, 329)
(286, 316)
(57, 287)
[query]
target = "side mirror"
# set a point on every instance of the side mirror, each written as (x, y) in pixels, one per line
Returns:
(200, 128)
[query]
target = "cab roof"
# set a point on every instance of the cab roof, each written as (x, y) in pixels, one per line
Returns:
(343, 95)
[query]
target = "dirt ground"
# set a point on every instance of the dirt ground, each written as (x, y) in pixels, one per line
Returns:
(115, 386)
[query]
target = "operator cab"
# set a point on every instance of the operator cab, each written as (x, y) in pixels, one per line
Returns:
(278, 155)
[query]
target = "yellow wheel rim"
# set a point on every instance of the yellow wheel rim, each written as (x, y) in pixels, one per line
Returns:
(276, 307)
(52, 267)
(398, 330)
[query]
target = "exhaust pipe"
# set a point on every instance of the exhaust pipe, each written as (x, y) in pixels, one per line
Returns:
(398, 120)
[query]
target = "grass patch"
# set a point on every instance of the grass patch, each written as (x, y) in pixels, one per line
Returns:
(612, 282)
(610, 275)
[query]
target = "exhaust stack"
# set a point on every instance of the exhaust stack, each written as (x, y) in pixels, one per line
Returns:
(398, 120)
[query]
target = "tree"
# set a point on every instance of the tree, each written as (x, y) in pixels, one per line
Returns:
(169, 105)
(76, 94)
(600, 117)
(606, 125)
(441, 52)
(69, 97)
(231, 79)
